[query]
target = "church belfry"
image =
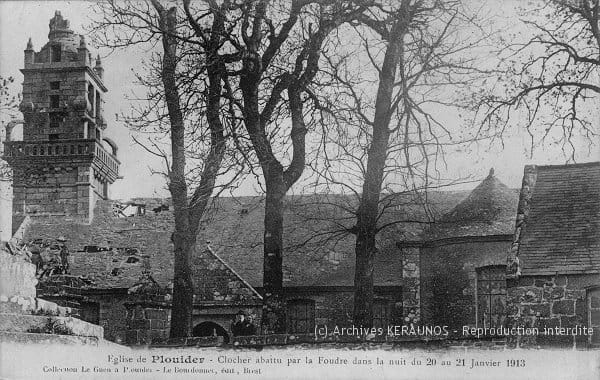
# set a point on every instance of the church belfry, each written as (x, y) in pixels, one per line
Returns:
(64, 163)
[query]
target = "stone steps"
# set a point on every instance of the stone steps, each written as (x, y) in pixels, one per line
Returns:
(28, 305)
(23, 323)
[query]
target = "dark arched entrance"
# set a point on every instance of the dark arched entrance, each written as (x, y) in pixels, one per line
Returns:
(210, 329)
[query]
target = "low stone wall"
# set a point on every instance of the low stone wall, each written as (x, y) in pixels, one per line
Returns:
(549, 302)
(147, 323)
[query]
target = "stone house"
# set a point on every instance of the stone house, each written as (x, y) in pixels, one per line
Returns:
(554, 260)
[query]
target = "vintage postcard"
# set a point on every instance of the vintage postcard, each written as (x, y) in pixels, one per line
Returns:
(338, 189)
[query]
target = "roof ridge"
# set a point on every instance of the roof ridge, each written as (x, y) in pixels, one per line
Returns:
(581, 164)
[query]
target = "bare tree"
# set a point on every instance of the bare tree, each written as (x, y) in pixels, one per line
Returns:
(8, 110)
(189, 87)
(269, 52)
(385, 147)
(549, 80)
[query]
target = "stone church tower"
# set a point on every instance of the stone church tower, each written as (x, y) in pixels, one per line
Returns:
(64, 163)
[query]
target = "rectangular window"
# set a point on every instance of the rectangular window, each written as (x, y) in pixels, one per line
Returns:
(300, 316)
(55, 85)
(381, 312)
(55, 120)
(56, 53)
(54, 101)
(53, 137)
(98, 103)
(491, 296)
(593, 303)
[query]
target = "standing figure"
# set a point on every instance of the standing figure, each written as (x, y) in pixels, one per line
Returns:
(64, 254)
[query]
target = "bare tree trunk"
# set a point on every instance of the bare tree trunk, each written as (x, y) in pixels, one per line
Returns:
(368, 210)
(273, 307)
(183, 238)
(187, 213)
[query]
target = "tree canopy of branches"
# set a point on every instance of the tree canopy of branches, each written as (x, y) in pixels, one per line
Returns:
(184, 100)
(255, 61)
(386, 132)
(271, 58)
(550, 80)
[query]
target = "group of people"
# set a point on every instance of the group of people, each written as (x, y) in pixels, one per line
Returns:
(242, 325)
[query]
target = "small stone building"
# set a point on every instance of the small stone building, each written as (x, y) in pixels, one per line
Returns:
(456, 271)
(554, 260)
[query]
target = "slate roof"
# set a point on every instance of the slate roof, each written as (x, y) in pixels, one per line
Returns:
(234, 228)
(562, 229)
(489, 209)
(314, 253)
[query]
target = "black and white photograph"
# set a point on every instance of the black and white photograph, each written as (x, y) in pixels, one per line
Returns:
(300, 189)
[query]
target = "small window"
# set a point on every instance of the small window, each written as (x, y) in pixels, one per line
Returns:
(54, 101)
(300, 316)
(491, 296)
(55, 120)
(56, 53)
(55, 85)
(90, 94)
(53, 137)
(381, 313)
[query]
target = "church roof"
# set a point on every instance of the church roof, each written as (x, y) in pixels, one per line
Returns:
(114, 252)
(489, 209)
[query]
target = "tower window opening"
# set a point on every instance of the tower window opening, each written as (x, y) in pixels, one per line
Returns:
(90, 95)
(55, 120)
(55, 85)
(53, 137)
(54, 101)
(98, 103)
(55, 53)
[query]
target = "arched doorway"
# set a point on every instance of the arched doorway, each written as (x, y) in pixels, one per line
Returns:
(210, 329)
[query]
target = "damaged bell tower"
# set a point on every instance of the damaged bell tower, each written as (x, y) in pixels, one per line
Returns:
(63, 163)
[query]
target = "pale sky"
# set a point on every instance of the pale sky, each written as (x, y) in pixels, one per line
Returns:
(20, 20)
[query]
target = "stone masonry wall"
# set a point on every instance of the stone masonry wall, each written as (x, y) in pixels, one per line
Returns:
(53, 189)
(335, 308)
(147, 323)
(411, 290)
(449, 280)
(550, 302)
(36, 90)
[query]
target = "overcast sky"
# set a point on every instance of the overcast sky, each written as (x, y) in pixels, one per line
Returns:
(20, 20)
